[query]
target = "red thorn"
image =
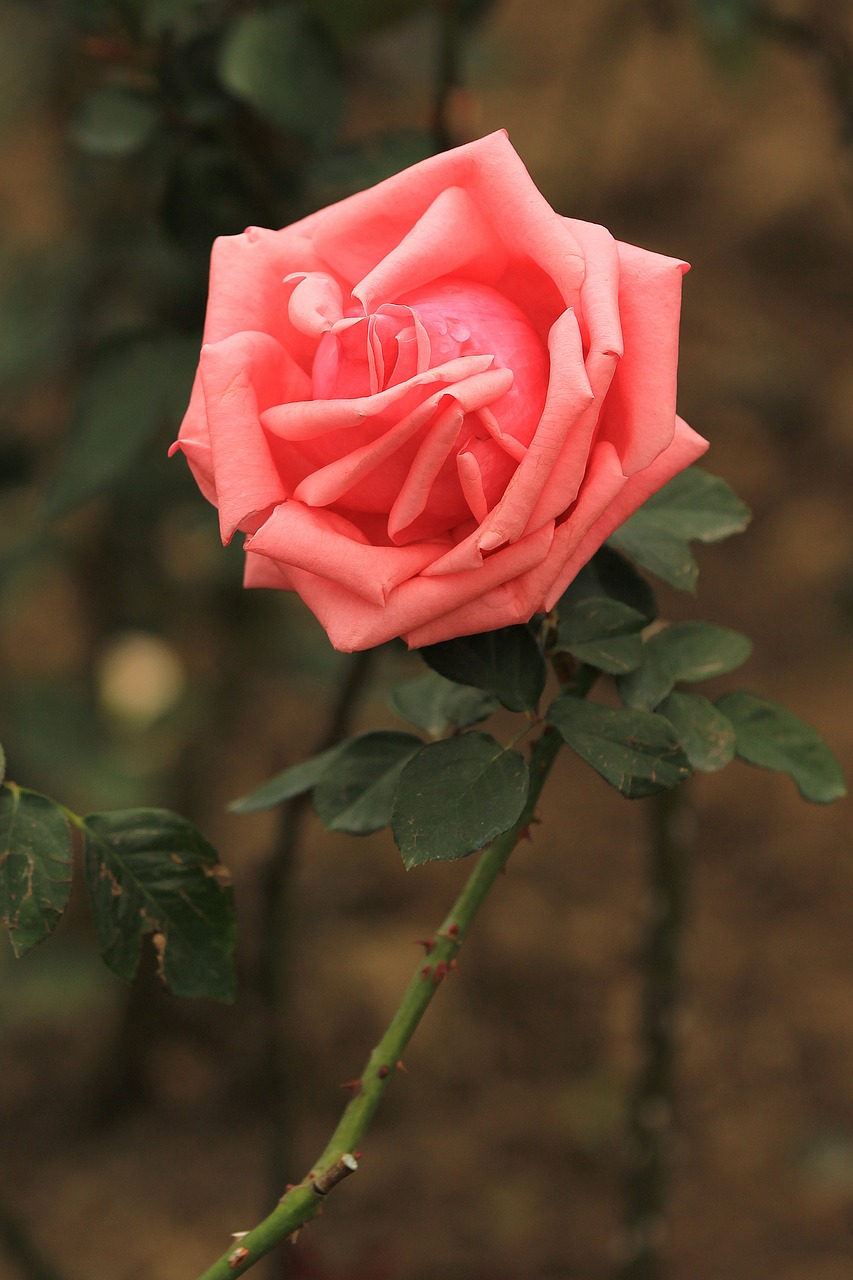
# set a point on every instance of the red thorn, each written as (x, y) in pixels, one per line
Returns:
(453, 931)
(452, 965)
(426, 970)
(383, 1072)
(426, 943)
(440, 972)
(401, 1066)
(356, 1155)
(355, 1085)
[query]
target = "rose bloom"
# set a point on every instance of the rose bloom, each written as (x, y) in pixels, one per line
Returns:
(429, 404)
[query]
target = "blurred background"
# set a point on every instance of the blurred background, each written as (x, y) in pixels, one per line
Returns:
(137, 1129)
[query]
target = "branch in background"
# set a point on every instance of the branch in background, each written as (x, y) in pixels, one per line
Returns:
(302, 1203)
(448, 77)
(275, 959)
(20, 1248)
(651, 1111)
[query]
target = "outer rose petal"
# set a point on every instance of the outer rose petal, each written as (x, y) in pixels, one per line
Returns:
(355, 623)
(607, 499)
(240, 376)
(355, 234)
(639, 412)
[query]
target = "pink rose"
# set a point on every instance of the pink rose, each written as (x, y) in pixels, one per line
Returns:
(428, 405)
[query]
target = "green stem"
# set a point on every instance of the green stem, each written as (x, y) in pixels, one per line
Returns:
(652, 1106)
(302, 1203)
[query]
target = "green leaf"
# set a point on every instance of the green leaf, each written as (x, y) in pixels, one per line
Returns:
(506, 663)
(352, 167)
(151, 871)
(772, 737)
(281, 61)
(35, 865)
(435, 705)
(609, 574)
(455, 796)
(293, 781)
(356, 790)
(693, 506)
(689, 651)
(603, 633)
(115, 122)
(132, 390)
(637, 752)
(707, 737)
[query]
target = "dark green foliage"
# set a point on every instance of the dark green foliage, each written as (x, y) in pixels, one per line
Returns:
(706, 735)
(603, 633)
(150, 871)
(435, 704)
(35, 865)
(507, 663)
(637, 752)
(692, 507)
(774, 738)
(356, 791)
(689, 651)
(294, 781)
(455, 796)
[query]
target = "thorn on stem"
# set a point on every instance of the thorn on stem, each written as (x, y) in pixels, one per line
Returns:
(426, 971)
(426, 943)
(353, 1085)
(440, 972)
(382, 1071)
(401, 1066)
(238, 1257)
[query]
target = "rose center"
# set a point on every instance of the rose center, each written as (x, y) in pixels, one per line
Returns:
(454, 466)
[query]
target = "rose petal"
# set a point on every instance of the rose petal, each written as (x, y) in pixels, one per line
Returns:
(355, 623)
(450, 235)
(569, 395)
(316, 302)
(685, 448)
(313, 418)
(328, 484)
(240, 376)
(359, 232)
(333, 548)
(639, 413)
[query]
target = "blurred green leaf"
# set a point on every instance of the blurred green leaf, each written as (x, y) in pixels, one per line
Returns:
(356, 790)
(507, 663)
(435, 705)
(692, 507)
(38, 294)
(603, 633)
(133, 388)
(115, 122)
(151, 871)
(281, 61)
(294, 781)
(35, 865)
(770, 736)
(354, 19)
(455, 796)
(338, 173)
(690, 651)
(706, 735)
(637, 752)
